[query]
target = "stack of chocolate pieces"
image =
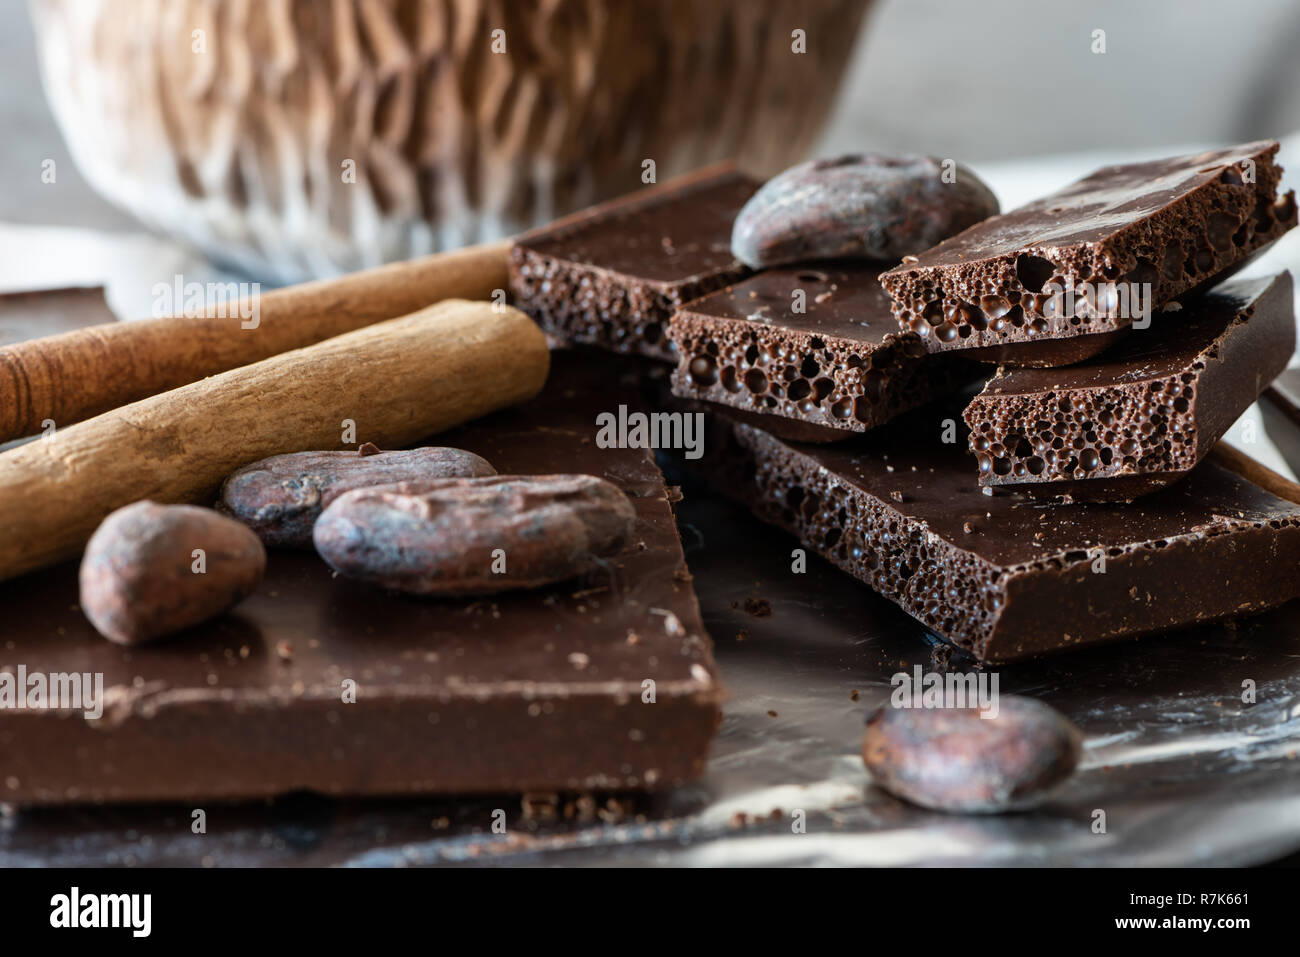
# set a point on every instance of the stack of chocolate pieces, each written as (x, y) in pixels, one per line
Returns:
(1069, 501)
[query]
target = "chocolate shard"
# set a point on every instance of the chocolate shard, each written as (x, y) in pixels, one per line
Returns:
(606, 683)
(1143, 413)
(1006, 576)
(812, 344)
(613, 275)
(1053, 282)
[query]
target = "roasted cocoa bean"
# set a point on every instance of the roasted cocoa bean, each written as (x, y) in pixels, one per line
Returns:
(860, 206)
(280, 498)
(474, 536)
(952, 759)
(151, 570)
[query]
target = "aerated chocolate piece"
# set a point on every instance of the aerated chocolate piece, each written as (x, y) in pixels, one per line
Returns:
(1006, 576)
(540, 690)
(1054, 282)
(612, 276)
(1141, 414)
(841, 364)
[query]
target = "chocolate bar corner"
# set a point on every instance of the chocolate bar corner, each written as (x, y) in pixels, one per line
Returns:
(613, 276)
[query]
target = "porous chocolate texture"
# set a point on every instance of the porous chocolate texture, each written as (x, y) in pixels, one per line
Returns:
(1005, 576)
(1143, 413)
(613, 275)
(840, 364)
(540, 690)
(1173, 224)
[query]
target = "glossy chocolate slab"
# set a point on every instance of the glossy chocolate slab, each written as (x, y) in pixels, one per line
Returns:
(1142, 414)
(1006, 576)
(538, 690)
(47, 312)
(840, 364)
(1168, 226)
(613, 275)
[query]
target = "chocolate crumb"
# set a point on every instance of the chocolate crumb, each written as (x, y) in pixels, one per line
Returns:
(368, 448)
(758, 607)
(854, 695)
(940, 656)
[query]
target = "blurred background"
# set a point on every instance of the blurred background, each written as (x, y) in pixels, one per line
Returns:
(234, 150)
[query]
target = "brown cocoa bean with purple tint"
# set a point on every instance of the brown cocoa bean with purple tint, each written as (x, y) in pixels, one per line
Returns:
(860, 206)
(280, 498)
(475, 536)
(952, 759)
(152, 570)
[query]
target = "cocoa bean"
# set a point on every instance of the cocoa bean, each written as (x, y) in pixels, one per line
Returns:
(952, 759)
(860, 206)
(142, 577)
(280, 498)
(443, 536)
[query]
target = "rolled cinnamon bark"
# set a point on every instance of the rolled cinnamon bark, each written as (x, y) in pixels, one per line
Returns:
(396, 382)
(75, 375)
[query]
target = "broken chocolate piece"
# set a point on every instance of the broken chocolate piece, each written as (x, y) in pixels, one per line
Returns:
(839, 364)
(613, 275)
(1093, 258)
(1033, 577)
(527, 691)
(1139, 415)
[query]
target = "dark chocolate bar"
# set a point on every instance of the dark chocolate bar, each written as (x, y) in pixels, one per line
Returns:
(1054, 282)
(1143, 413)
(48, 312)
(840, 364)
(613, 275)
(1006, 576)
(603, 683)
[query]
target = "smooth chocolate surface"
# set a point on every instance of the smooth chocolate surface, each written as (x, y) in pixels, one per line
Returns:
(1142, 414)
(47, 312)
(1006, 576)
(840, 364)
(613, 275)
(531, 690)
(1166, 226)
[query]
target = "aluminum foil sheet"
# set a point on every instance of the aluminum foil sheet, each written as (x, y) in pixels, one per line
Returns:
(1184, 771)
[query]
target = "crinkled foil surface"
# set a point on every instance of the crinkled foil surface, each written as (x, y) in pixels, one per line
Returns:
(1183, 771)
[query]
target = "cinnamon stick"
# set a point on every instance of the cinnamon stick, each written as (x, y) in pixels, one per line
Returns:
(75, 375)
(396, 381)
